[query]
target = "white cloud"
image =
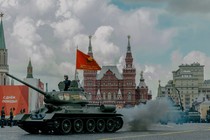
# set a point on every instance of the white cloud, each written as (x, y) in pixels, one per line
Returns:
(176, 59)
(66, 28)
(149, 69)
(195, 56)
(104, 48)
(44, 5)
(9, 3)
(25, 31)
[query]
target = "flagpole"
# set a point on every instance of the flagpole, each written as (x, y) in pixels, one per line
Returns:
(75, 64)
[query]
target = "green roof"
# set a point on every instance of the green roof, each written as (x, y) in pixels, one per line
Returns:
(2, 40)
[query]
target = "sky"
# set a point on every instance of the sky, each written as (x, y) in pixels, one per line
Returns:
(164, 34)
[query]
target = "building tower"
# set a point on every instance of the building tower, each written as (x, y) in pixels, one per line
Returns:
(4, 68)
(90, 76)
(143, 89)
(129, 74)
(36, 99)
(29, 70)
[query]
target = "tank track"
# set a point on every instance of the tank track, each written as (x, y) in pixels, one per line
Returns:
(74, 125)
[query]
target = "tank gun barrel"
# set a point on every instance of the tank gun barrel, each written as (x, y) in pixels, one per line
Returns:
(34, 88)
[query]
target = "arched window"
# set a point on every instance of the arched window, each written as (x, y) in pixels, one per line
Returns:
(114, 96)
(104, 96)
(109, 96)
(89, 96)
(129, 96)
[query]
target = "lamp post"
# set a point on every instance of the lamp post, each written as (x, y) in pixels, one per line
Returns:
(179, 96)
(179, 99)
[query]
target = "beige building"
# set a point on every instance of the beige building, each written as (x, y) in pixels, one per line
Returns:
(188, 82)
(205, 89)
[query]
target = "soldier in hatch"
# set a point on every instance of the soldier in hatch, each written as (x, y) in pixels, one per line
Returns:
(67, 82)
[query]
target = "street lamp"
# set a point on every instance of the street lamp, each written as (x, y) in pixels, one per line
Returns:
(179, 96)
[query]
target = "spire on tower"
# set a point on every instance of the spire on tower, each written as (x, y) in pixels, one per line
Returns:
(142, 84)
(2, 39)
(29, 70)
(129, 46)
(129, 58)
(90, 45)
(1, 15)
(142, 78)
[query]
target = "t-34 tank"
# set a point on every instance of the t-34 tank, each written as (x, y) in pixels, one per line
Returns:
(68, 112)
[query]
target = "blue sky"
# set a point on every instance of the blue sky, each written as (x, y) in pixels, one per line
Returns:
(164, 34)
(193, 26)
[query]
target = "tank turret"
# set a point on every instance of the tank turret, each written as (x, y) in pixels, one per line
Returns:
(68, 111)
(73, 95)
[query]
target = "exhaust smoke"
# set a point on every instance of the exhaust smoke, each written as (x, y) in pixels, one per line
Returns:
(141, 117)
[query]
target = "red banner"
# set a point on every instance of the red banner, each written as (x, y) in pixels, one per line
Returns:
(15, 97)
(86, 62)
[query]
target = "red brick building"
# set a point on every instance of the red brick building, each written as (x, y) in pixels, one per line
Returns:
(142, 92)
(109, 86)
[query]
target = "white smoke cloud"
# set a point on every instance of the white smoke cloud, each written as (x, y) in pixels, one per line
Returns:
(142, 117)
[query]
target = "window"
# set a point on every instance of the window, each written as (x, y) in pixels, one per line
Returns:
(114, 96)
(129, 96)
(89, 96)
(104, 96)
(109, 96)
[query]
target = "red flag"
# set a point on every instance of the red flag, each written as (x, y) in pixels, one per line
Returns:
(86, 62)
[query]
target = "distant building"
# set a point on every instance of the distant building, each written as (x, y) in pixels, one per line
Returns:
(36, 100)
(109, 86)
(188, 81)
(161, 91)
(205, 89)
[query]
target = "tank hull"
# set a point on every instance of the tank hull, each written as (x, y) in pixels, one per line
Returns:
(75, 121)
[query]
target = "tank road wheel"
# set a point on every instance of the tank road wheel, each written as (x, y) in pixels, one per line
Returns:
(56, 124)
(110, 125)
(90, 125)
(100, 126)
(66, 126)
(78, 126)
(119, 123)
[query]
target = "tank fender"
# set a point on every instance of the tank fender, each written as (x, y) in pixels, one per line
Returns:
(21, 117)
(108, 108)
(49, 116)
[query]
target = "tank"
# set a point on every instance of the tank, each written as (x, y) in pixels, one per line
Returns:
(68, 112)
(193, 115)
(208, 115)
